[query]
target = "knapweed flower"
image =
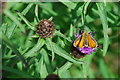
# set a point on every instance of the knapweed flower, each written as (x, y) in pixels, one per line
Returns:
(85, 43)
(45, 28)
(86, 50)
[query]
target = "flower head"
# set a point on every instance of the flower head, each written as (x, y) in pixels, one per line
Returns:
(45, 28)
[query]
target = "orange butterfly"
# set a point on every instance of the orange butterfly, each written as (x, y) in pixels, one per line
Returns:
(85, 40)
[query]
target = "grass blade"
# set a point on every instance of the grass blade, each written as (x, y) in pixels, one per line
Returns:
(103, 17)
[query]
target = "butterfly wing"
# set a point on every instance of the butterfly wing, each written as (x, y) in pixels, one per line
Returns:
(92, 42)
(79, 42)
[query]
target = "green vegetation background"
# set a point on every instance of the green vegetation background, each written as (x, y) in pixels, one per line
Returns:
(24, 55)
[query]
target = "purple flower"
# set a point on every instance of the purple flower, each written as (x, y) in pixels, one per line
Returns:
(86, 50)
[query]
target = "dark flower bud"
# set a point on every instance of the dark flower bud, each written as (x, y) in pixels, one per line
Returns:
(52, 77)
(45, 28)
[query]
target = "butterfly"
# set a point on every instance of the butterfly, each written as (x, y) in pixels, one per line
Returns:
(85, 40)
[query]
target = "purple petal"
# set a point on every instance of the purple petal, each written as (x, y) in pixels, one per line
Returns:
(86, 50)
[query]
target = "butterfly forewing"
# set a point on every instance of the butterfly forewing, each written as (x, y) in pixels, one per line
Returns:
(77, 41)
(81, 42)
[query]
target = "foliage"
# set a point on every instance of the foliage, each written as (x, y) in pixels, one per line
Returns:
(26, 55)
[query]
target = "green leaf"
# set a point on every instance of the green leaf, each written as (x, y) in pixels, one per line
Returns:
(86, 67)
(29, 38)
(3, 28)
(35, 36)
(68, 3)
(84, 11)
(62, 35)
(103, 17)
(41, 68)
(25, 20)
(46, 60)
(9, 55)
(13, 47)
(59, 51)
(71, 33)
(52, 48)
(66, 74)
(10, 30)
(37, 47)
(19, 65)
(36, 13)
(46, 8)
(25, 11)
(63, 68)
(16, 72)
(14, 19)
(104, 69)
